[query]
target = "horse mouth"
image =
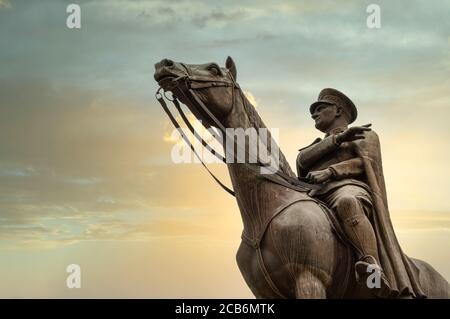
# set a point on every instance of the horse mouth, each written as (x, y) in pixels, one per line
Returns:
(161, 79)
(167, 82)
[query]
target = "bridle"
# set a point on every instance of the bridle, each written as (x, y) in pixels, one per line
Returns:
(189, 83)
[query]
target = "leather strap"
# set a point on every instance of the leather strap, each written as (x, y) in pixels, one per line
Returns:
(175, 123)
(192, 130)
(193, 82)
(288, 180)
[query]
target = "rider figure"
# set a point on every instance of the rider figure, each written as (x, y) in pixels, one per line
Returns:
(334, 162)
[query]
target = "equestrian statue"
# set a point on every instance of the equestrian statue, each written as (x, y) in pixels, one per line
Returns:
(323, 233)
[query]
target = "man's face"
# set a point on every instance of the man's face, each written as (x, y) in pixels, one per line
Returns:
(324, 115)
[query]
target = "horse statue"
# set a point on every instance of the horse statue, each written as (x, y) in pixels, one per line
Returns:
(291, 247)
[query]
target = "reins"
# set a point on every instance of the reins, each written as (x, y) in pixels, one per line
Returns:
(192, 83)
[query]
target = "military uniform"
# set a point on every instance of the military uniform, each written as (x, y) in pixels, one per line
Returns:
(357, 194)
(347, 193)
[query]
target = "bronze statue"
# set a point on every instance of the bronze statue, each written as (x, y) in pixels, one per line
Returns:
(293, 246)
(348, 162)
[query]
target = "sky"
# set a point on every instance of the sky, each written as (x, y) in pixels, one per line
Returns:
(86, 175)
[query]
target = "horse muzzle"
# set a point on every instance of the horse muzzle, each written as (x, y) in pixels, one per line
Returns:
(168, 74)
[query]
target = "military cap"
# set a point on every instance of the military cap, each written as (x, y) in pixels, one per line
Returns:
(333, 96)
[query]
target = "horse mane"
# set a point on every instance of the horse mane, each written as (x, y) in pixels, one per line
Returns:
(256, 121)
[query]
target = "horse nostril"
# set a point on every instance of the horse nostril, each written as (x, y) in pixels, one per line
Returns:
(168, 62)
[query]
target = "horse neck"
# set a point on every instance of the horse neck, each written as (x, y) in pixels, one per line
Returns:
(248, 188)
(243, 115)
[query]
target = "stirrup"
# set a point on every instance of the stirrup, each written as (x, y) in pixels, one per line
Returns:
(361, 267)
(363, 264)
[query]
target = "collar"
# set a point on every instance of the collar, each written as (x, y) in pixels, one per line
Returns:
(336, 130)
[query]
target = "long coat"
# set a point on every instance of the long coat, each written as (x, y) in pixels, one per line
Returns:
(399, 268)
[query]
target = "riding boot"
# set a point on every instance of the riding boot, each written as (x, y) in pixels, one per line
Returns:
(360, 233)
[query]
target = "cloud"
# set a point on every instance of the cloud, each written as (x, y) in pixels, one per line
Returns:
(5, 4)
(218, 16)
(77, 131)
(84, 158)
(82, 165)
(425, 220)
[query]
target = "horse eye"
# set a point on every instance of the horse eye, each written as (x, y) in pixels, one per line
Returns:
(214, 70)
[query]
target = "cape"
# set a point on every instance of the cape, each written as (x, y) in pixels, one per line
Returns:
(401, 271)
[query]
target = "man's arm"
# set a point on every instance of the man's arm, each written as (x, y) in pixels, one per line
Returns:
(347, 169)
(311, 154)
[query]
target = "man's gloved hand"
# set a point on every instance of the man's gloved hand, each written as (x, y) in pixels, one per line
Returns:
(352, 134)
(318, 177)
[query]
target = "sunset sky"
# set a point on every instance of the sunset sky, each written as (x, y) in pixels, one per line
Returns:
(85, 170)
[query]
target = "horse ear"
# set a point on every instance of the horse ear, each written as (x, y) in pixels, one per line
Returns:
(231, 66)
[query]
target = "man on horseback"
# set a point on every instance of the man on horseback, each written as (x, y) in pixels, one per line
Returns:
(347, 162)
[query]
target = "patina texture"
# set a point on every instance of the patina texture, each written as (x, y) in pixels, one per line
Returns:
(350, 168)
(293, 245)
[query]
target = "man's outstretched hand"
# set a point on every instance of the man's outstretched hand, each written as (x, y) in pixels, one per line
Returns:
(318, 177)
(352, 134)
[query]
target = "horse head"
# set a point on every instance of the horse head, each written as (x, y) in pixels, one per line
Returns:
(212, 85)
